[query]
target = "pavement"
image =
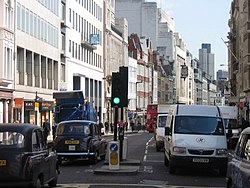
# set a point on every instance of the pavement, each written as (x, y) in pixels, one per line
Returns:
(125, 167)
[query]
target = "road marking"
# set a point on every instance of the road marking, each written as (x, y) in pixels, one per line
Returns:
(147, 169)
(143, 183)
(146, 149)
(154, 161)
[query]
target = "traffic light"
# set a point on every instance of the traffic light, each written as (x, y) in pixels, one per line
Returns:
(124, 78)
(116, 90)
(119, 94)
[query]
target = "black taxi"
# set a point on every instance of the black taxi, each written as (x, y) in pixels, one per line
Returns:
(25, 158)
(79, 139)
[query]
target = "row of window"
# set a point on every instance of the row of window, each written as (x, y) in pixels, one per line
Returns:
(92, 7)
(35, 26)
(85, 55)
(37, 70)
(93, 90)
(7, 65)
(83, 26)
(52, 5)
(9, 14)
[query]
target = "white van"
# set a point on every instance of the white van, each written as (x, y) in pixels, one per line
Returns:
(233, 129)
(195, 137)
(160, 125)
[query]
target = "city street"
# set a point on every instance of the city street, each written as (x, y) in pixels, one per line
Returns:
(152, 172)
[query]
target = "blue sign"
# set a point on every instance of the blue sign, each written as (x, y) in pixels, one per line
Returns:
(94, 39)
(113, 147)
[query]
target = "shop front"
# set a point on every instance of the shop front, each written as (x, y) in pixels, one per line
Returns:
(46, 109)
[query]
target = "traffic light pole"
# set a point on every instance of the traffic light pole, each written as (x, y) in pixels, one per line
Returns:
(121, 139)
(115, 124)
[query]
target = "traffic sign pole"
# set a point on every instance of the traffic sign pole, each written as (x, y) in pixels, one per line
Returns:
(115, 124)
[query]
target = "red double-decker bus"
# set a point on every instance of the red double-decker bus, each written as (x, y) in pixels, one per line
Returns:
(151, 117)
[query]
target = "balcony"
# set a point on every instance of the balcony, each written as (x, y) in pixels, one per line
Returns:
(5, 82)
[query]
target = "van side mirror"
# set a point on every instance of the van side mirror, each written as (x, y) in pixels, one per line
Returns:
(167, 131)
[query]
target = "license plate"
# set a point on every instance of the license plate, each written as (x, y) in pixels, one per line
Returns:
(2, 162)
(198, 160)
(71, 142)
(72, 147)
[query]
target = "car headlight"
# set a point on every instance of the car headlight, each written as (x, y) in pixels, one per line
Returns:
(179, 150)
(221, 152)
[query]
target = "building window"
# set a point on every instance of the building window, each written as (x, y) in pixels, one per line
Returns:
(69, 45)
(27, 21)
(18, 16)
(7, 67)
(23, 19)
(62, 75)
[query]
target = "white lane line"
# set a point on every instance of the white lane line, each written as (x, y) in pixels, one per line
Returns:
(146, 149)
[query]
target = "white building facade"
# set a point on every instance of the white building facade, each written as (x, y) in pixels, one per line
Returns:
(37, 68)
(82, 50)
(7, 66)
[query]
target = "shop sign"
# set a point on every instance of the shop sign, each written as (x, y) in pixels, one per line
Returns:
(18, 102)
(29, 106)
(46, 106)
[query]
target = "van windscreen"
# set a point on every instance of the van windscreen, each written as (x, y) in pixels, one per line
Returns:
(199, 125)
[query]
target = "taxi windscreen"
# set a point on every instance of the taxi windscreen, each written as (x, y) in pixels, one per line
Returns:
(80, 128)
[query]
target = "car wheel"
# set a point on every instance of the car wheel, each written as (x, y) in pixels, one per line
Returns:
(229, 183)
(53, 182)
(37, 183)
(94, 158)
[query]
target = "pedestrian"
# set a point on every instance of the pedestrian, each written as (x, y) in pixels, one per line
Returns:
(126, 125)
(101, 128)
(132, 125)
(54, 131)
(111, 127)
(46, 128)
(106, 124)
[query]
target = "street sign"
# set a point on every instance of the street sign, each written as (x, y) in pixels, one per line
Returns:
(114, 158)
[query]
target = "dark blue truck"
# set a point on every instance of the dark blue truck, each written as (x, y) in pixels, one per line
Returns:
(71, 105)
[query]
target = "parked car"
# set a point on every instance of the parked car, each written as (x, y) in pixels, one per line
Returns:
(25, 158)
(238, 171)
(79, 139)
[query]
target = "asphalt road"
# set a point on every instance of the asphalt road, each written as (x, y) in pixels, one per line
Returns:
(151, 173)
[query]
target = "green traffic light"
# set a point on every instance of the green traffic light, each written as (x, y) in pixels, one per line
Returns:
(116, 100)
